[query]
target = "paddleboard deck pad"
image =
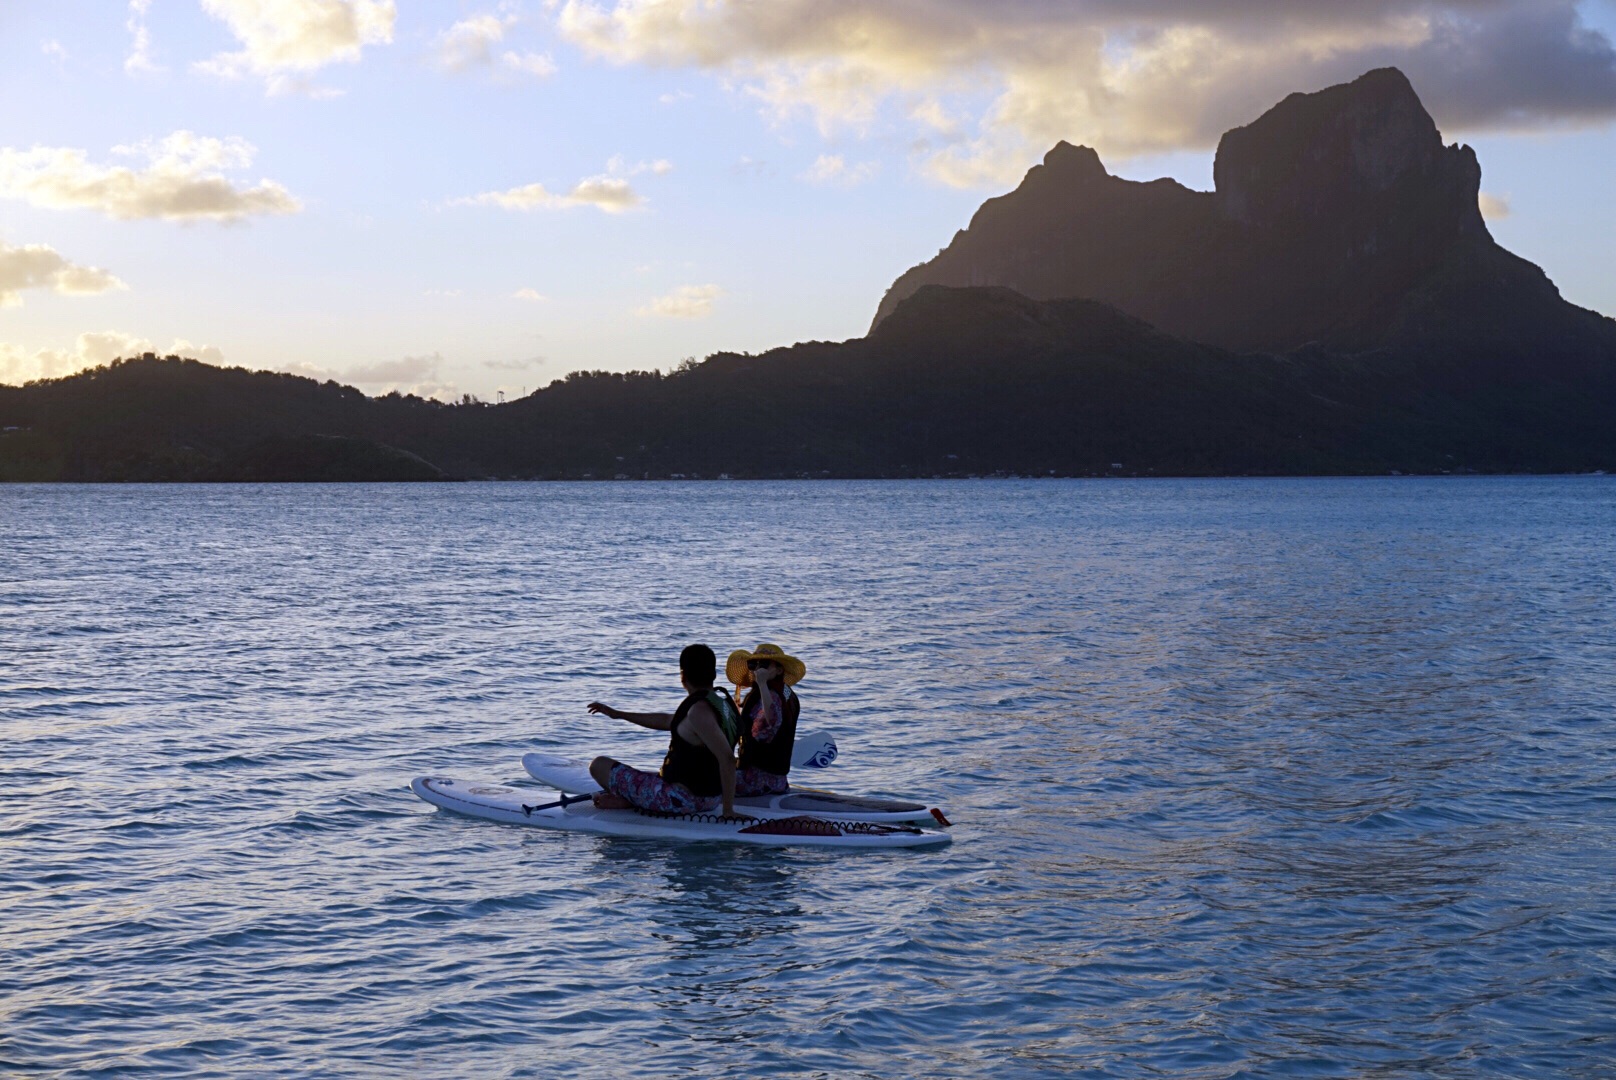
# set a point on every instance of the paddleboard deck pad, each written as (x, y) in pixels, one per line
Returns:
(514, 806)
(571, 775)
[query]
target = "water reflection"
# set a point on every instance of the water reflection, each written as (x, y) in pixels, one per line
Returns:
(1251, 777)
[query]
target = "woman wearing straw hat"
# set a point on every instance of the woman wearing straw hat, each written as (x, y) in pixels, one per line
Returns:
(768, 717)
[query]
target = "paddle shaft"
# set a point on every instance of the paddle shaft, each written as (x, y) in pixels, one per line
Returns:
(565, 800)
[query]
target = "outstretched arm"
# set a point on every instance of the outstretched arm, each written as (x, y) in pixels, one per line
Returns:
(656, 721)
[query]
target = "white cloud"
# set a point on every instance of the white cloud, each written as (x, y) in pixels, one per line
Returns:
(472, 43)
(392, 372)
(685, 302)
(834, 169)
(609, 192)
(286, 38)
(36, 266)
(532, 295)
(139, 60)
(619, 166)
(92, 350)
(182, 181)
(525, 364)
(55, 50)
(408, 375)
(537, 65)
(985, 86)
(1494, 207)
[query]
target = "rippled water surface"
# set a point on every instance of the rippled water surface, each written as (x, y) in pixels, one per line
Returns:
(1303, 777)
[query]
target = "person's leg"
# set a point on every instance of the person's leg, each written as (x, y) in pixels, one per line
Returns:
(626, 786)
(754, 781)
(607, 799)
(601, 770)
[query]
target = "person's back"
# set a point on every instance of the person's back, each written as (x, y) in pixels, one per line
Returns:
(693, 764)
(698, 773)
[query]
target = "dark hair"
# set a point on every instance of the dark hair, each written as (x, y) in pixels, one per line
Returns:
(699, 665)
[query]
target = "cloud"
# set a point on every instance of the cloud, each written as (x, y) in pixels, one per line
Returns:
(527, 364)
(982, 87)
(91, 350)
(55, 50)
(182, 181)
(286, 38)
(685, 302)
(609, 192)
(417, 375)
(1494, 207)
(139, 61)
(533, 295)
(538, 65)
(472, 43)
(833, 169)
(403, 370)
(36, 266)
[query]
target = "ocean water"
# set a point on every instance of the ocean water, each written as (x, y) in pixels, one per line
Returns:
(1250, 778)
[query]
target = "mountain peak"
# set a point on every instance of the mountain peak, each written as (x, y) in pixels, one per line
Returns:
(1340, 218)
(1327, 153)
(1074, 161)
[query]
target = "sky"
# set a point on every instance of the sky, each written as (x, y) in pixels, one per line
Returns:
(480, 196)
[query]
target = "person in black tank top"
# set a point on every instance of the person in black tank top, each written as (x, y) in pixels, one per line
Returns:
(698, 773)
(768, 717)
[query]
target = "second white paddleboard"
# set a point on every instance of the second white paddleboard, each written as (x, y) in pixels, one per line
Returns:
(571, 775)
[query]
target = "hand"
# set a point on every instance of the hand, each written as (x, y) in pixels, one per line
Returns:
(605, 710)
(765, 674)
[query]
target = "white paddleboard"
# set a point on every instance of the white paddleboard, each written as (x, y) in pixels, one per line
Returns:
(571, 775)
(496, 802)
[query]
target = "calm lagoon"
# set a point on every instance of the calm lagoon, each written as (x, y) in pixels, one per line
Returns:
(1250, 778)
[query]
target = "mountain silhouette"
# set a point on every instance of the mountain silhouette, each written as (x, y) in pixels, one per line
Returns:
(1340, 221)
(1337, 305)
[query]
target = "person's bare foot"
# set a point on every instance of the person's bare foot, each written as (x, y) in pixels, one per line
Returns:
(605, 800)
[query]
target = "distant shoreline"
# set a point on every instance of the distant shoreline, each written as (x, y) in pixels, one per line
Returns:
(816, 479)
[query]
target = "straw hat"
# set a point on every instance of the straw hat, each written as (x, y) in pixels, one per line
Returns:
(735, 667)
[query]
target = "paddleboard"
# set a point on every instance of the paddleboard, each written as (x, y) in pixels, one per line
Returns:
(571, 775)
(514, 806)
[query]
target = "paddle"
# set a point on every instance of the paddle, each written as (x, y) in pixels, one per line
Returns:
(565, 800)
(813, 750)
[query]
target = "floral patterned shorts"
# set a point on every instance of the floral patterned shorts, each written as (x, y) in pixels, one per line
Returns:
(754, 781)
(649, 791)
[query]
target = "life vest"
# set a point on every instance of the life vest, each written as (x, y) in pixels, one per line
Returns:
(693, 765)
(773, 756)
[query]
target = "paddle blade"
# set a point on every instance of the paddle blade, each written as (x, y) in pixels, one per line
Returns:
(813, 750)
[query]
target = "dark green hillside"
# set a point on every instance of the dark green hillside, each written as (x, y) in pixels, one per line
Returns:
(954, 382)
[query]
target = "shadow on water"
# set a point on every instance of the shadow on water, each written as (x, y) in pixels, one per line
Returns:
(702, 898)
